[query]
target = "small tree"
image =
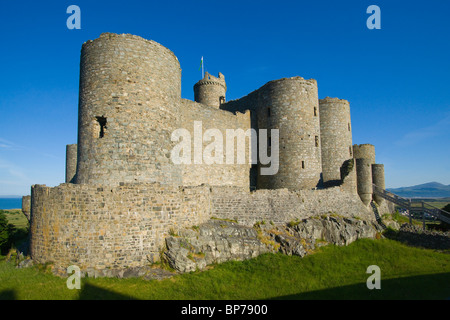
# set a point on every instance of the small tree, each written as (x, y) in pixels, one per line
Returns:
(6, 230)
(4, 234)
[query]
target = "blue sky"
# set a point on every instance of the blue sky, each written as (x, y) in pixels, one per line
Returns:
(396, 78)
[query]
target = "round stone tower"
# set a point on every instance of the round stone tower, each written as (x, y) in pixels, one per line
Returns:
(71, 162)
(378, 180)
(335, 137)
(364, 155)
(211, 90)
(291, 106)
(366, 151)
(129, 96)
(364, 179)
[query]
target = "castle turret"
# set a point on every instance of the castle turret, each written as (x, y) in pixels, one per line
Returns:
(130, 91)
(211, 90)
(26, 206)
(376, 176)
(378, 180)
(364, 179)
(336, 141)
(71, 162)
(291, 106)
(366, 151)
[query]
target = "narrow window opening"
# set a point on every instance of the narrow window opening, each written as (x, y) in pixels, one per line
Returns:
(317, 141)
(315, 111)
(303, 164)
(350, 151)
(349, 126)
(222, 100)
(102, 123)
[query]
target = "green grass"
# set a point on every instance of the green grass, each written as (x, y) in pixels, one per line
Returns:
(436, 204)
(400, 219)
(16, 217)
(331, 273)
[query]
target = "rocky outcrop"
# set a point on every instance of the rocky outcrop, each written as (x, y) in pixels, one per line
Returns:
(218, 241)
(213, 242)
(336, 230)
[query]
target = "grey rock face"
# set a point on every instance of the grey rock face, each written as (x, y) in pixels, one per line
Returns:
(25, 264)
(291, 245)
(213, 242)
(336, 230)
(219, 241)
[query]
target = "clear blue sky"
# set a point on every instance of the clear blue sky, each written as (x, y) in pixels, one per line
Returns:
(396, 78)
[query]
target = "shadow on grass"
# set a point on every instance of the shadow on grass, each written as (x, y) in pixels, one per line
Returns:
(424, 287)
(91, 292)
(8, 295)
(88, 292)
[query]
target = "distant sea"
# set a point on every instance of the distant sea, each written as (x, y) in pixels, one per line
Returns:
(10, 203)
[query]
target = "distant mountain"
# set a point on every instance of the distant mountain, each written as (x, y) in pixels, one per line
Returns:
(426, 190)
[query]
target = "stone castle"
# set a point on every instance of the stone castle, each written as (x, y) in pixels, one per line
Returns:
(123, 195)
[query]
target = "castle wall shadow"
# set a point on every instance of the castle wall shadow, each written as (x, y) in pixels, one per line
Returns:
(430, 287)
(91, 292)
(8, 295)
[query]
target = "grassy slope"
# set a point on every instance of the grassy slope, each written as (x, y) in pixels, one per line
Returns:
(437, 204)
(16, 217)
(331, 273)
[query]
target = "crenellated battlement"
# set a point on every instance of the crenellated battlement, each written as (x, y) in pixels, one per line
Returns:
(211, 90)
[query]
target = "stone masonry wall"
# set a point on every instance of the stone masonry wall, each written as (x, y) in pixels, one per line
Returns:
(110, 227)
(364, 151)
(234, 174)
(94, 226)
(282, 206)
